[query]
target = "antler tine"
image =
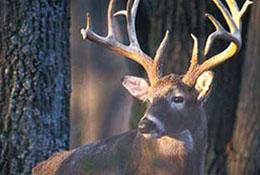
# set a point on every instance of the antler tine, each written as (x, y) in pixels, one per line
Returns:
(133, 50)
(110, 23)
(194, 58)
(234, 27)
(132, 7)
(233, 20)
(157, 63)
(221, 32)
(244, 8)
(235, 10)
(234, 24)
(130, 14)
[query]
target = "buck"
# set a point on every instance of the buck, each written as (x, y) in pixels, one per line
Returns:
(171, 137)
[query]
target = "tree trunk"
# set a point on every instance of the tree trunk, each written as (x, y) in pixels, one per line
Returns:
(244, 153)
(34, 82)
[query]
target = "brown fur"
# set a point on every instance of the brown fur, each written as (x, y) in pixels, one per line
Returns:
(133, 154)
(51, 165)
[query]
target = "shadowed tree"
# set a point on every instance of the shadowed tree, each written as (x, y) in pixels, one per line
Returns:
(244, 152)
(34, 82)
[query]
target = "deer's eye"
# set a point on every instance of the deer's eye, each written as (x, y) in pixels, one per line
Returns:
(178, 99)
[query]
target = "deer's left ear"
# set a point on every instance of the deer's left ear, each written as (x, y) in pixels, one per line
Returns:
(203, 84)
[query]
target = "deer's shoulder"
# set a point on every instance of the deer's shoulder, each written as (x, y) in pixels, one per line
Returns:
(100, 156)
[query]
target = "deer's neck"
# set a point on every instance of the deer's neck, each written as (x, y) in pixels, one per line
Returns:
(181, 155)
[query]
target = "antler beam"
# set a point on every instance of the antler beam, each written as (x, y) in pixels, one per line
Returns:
(233, 20)
(133, 50)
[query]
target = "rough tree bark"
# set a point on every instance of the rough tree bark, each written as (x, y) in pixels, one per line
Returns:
(34, 82)
(244, 153)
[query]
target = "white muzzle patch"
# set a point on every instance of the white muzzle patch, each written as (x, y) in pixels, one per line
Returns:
(160, 129)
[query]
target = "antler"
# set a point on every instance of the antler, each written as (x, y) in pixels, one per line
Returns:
(233, 20)
(133, 50)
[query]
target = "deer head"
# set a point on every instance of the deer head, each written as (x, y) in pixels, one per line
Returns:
(175, 101)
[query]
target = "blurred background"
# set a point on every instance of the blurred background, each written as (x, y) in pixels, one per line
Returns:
(100, 106)
(59, 92)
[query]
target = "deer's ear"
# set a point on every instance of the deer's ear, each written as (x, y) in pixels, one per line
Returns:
(203, 84)
(138, 87)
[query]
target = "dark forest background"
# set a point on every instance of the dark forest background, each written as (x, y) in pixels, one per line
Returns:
(58, 91)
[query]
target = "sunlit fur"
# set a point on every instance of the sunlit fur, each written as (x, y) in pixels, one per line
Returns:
(178, 150)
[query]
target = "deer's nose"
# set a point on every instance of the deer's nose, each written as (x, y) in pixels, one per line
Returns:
(145, 126)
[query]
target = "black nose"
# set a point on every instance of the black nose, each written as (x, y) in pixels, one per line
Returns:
(145, 126)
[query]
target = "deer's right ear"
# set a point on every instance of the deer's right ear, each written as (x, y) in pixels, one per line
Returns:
(138, 87)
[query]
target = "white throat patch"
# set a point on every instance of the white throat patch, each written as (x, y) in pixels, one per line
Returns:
(180, 146)
(186, 137)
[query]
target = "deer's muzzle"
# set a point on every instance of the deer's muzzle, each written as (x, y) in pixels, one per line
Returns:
(146, 126)
(150, 126)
